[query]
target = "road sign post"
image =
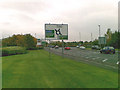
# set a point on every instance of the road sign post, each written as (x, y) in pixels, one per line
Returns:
(49, 51)
(56, 32)
(62, 48)
(102, 41)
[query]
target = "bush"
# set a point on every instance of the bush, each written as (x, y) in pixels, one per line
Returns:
(6, 51)
(34, 48)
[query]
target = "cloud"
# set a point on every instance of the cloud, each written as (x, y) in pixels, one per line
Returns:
(30, 7)
(29, 16)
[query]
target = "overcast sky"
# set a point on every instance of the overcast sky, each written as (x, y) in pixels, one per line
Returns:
(84, 16)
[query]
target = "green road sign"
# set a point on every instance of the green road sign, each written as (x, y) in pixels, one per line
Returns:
(102, 40)
(49, 34)
(56, 31)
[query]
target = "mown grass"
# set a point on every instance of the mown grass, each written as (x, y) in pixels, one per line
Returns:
(6, 51)
(36, 70)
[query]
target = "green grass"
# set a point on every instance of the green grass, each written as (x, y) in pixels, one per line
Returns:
(36, 70)
(117, 49)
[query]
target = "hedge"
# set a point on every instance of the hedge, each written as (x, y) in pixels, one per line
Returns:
(6, 51)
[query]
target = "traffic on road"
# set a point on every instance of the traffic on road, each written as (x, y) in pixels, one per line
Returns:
(90, 55)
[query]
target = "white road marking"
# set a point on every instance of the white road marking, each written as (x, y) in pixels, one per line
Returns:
(105, 60)
(95, 58)
(105, 65)
(118, 62)
(111, 66)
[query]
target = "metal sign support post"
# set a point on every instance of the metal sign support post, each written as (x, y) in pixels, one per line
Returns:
(56, 32)
(99, 35)
(49, 51)
(62, 48)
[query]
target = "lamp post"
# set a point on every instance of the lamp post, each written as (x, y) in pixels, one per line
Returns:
(99, 36)
(80, 38)
(99, 30)
(91, 39)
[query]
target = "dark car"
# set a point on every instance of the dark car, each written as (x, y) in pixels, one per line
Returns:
(67, 48)
(51, 46)
(96, 47)
(108, 50)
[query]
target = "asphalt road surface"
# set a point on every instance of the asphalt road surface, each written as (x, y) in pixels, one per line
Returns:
(92, 56)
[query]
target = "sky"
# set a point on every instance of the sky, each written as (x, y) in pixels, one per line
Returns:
(82, 17)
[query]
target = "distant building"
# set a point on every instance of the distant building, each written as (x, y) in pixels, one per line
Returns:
(39, 43)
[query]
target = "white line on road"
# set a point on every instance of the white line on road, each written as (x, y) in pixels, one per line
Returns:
(105, 60)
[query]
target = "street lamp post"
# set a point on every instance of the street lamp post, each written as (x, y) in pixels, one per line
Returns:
(80, 38)
(99, 30)
(91, 39)
(99, 35)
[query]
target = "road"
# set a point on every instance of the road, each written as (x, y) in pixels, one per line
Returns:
(92, 56)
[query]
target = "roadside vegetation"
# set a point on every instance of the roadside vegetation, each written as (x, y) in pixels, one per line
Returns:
(27, 41)
(18, 44)
(7, 51)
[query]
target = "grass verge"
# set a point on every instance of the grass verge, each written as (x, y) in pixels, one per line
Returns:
(36, 70)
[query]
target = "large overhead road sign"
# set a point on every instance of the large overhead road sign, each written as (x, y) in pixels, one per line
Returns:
(56, 31)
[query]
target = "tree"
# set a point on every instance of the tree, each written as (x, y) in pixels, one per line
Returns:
(29, 41)
(108, 36)
(114, 39)
(95, 42)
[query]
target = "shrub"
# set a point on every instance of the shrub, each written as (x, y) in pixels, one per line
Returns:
(34, 48)
(6, 51)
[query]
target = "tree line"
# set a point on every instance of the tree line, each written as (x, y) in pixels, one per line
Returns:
(26, 40)
(112, 39)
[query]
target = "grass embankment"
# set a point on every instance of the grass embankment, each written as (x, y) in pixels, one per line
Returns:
(36, 70)
(6, 51)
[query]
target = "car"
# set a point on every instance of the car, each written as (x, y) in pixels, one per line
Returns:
(67, 48)
(96, 47)
(108, 50)
(77, 46)
(56, 47)
(82, 47)
(51, 46)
